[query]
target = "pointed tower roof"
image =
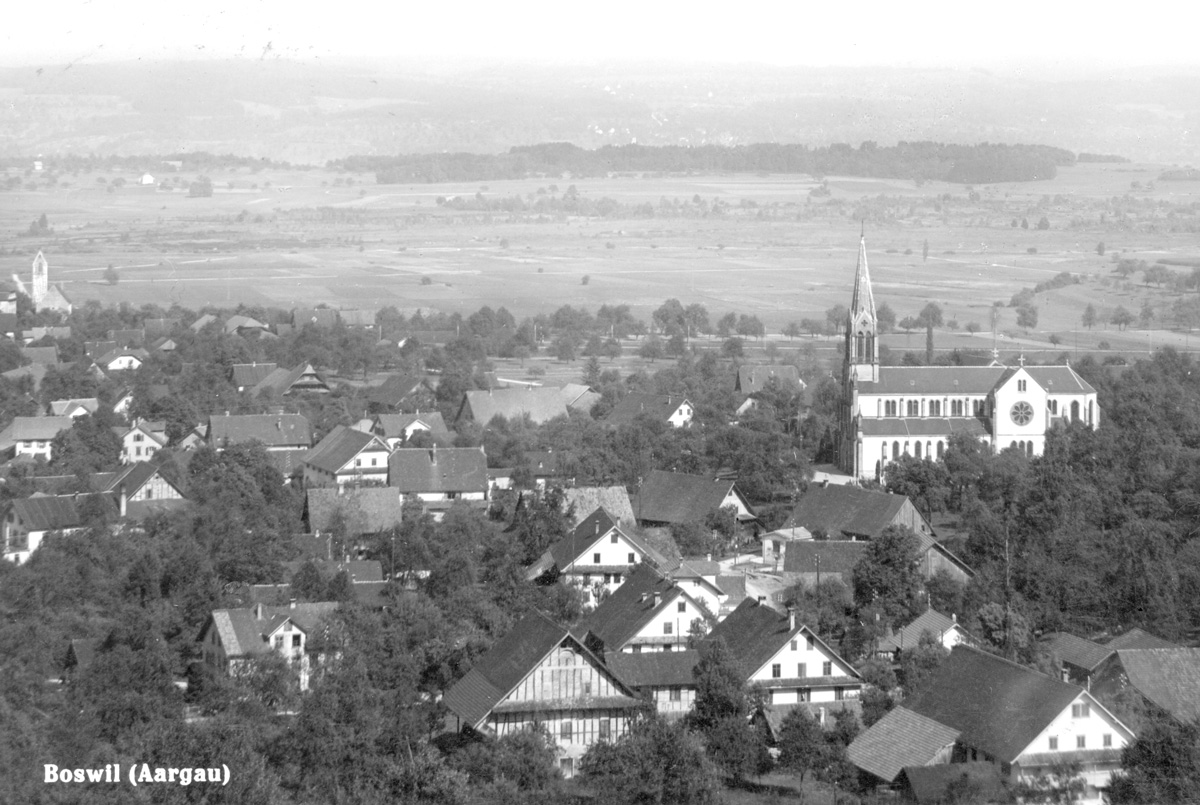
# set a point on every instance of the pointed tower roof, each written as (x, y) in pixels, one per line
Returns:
(863, 299)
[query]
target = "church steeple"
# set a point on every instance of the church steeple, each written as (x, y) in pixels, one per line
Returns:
(862, 328)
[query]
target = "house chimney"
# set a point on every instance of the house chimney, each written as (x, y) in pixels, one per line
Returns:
(258, 611)
(122, 500)
(291, 603)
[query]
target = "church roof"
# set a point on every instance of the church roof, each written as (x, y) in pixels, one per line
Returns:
(863, 299)
(925, 426)
(970, 380)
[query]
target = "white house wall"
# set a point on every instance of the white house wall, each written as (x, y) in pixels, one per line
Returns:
(1068, 728)
(678, 614)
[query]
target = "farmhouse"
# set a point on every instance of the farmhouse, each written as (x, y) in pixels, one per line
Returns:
(942, 628)
(1165, 680)
(248, 375)
(541, 674)
(539, 404)
(141, 440)
(914, 410)
(286, 381)
(397, 429)
(787, 658)
(352, 512)
(347, 456)
(649, 612)
(27, 521)
(850, 512)
(74, 408)
(232, 639)
(273, 431)
(673, 497)
(664, 678)
(397, 390)
(675, 410)
(980, 707)
(33, 434)
(438, 474)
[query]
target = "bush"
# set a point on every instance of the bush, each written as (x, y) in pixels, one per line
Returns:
(1031, 250)
(111, 276)
(1104, 345)
(586, 279)
(426, 280)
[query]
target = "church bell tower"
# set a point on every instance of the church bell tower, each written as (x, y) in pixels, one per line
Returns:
(862, 327)
(41, 280)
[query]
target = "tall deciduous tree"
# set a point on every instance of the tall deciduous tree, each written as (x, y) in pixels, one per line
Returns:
(888, 575)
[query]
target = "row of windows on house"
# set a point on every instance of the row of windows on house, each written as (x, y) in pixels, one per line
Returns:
(1081, 742)
(918, 451)
(802, 695)
(609, 578)
(977, 407)
(596, 559)
(801, 670)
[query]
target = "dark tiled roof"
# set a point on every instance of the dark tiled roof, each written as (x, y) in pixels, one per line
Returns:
(978, 380)
(273, 430)
(394, 389)
(242, 631)
(248, 375)
(394, 425)
(448, 469)
(361, 571)
(320, 316)
(999, 707)
(134, 477)
(635, 404)
(368, 510)
(930, 621)
(582, 537)
(928, 784)
(902, 427)
(841, 509)
(902, 738)
(1168, 677)
(753, 633)
(752, 378)
(627, 611)
(1059, 379)
(654, 668)
(613, 499)
(1077, 651)
(1137, 638)
(541, 404)
(39, 428)
(339, 447)
(43, 355)
(53, 513)
(673, 497)
(283, 381)
(835, 556)
(503, 667)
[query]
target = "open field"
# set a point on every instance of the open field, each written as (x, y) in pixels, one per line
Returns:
(308, 237)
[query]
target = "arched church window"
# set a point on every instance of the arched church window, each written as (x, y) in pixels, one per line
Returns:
(1089, 419)
(878, 467)
(1029, 449)
(1075, 411)
(895, 449)
(917, 449)
(941, 449)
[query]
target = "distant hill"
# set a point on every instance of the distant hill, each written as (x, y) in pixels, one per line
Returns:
(309, 113)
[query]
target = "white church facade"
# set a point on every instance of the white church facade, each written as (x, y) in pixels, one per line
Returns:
(891, 411)
(43, 295)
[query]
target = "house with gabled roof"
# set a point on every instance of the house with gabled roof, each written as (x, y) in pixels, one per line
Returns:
(1165, 680)
(347, 456)
(202, 322)
(945, 629)
(142, 439)
(699, 575)
(74, 408)
(27, 521)
(273, 431)
(540, 674)
(932, 785)
(595, 557)
(245, 326)
(325, 318)
(122, 359)
(674, 409)
(248, 375)
(667, 498)
(140, 483)
(752, 378)
(439, 474)
(47, 356)
(232, 639)
(579, 397)
(1139, 638)
(787, 658)
(539, 404)
(648, 612)
(1080, 657)
(980, 707)
(666, 679)
(397, 429)
(850, 512)
(32, 435)
(303, 378)
(613, 499)
(397, 390)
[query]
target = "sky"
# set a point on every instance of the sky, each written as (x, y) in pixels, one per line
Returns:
(870, 32)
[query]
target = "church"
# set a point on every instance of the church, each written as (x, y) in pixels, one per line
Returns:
(890, 411)
(43, 295)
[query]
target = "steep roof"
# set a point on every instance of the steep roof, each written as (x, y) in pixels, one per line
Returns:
(841, 509)
(64, 407)
(394, 389)
(393, 425)
(997, 706)
(613, 499)
(242, 630)
(1168, 677)
(1059, 380)
(247, 375)
(134, 476)
(908, 637)
(320, 316)
(627, 611)
(754, 633)
(582, 537)
(338, 447)
(503, 667)
(752, 378)
(828, 556)
(1077, 651)
(541, 404)
(39, 428)
(283, 381)
(239, 322)
(902, 738)
(654, 668)
(368, 510)
(55, 512)
(446, 469)
(360, 571)
(635, 404)
(579, 397)
(44, 355)
(1137, 638)
(273, 430)
(202, 322)
(673, 497)
(978, 380)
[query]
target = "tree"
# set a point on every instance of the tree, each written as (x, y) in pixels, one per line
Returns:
(1161, 765)
(918, 663)
(837, 317)
(1121, 317)
(652, 349)
(930, 315)
(111, 276)
(792, 330)
(1027, 317)
(802, 745)
(888, 574)
(885, 317)
(720, 687)
(733, 348)
(925, 251)
(1043, 223)
(725, 324)
(1100, 248)
(655, 762)
(1089, 316)
(926, 482)
(1145, 315)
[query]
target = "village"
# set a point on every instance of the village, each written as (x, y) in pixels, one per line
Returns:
(792, 571)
